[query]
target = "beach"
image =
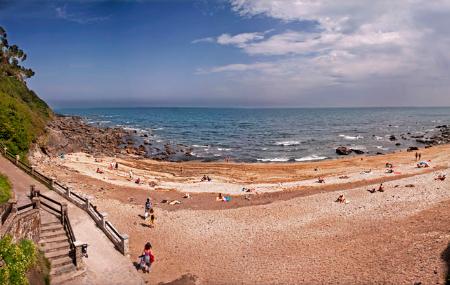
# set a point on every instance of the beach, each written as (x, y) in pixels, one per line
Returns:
(288, 229)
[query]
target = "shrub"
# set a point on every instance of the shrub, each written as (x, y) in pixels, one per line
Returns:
(16, 260)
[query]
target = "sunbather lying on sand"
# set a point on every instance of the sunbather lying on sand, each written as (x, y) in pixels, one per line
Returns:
(441, 177)
(343, 177)
(99, 171)
(321, 180)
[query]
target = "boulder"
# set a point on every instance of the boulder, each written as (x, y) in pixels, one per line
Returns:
(342, 150)
(392, 138)
(412, 148)
(357, 151)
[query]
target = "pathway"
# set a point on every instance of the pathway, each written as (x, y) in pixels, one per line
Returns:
(105, 264)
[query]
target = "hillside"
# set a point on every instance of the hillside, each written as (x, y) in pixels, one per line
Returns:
(23, 115)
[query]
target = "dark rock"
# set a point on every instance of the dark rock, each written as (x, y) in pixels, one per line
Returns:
(398, 144)
(342, 150)
(412, 148)
(357, 151)
(392, 138)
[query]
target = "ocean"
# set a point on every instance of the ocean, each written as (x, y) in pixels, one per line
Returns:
(274, 135)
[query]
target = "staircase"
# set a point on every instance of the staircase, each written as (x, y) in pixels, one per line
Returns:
(56, 247)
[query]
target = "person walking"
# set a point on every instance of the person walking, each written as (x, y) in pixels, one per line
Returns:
(146, 258)
(148, 206)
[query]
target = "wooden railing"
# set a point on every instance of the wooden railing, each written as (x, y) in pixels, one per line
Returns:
(119, 240)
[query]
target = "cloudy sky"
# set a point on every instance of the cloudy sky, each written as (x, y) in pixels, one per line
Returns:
(247, 53)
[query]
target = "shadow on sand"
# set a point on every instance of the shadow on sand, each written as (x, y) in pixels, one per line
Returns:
(446, 257)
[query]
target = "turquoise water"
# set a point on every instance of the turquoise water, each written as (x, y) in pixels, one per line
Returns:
(273, 134)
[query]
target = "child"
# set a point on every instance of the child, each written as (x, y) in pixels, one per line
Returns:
(152, 218)
(148, 207)
(147, 258)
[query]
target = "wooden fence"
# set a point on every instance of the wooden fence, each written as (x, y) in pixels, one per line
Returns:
(119, 240)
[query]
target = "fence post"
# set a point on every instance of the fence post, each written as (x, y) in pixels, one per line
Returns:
(17, 158)
(64, 213)
(103, 220)
(37, 202)
(124, 245)
(5, 150)
(13, 205)
(78, 255)
(32, 191)
(32, 170)
(52, 183)
(68, 192)
(86, 206)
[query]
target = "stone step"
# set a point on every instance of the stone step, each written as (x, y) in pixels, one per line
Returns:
(55, 247)
(63, 278)
(53, 234)
(48, 223)
(61, 261)
(54, 239)
(60, 270)
(52, 255)
(52, 227)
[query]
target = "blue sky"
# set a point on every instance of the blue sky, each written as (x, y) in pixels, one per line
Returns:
(242, 53)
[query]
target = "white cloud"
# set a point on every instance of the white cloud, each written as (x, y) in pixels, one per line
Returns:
(61, 12)
(204, 40)
(355, 43)
(239, 39)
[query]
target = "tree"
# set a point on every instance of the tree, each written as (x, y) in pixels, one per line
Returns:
(11, 57)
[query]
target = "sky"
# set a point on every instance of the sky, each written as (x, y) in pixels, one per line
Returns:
(234, 53)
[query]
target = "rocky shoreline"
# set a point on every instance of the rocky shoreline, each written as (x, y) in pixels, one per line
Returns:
(66, 134)
(442, 136)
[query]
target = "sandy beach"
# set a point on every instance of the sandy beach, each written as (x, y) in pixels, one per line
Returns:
(289, 229)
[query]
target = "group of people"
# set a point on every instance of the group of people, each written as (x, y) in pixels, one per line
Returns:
(148, 211)
(206, 178)
(380, 189)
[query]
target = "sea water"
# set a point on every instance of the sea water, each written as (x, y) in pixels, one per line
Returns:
(273, 135)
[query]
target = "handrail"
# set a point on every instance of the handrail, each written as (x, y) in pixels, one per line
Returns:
(78, 196)
(51, 208)
(113, 229)
(107, 228)
(48, 198)
(25, 206)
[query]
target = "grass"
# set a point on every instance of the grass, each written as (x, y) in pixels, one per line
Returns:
(23, 115)
(5, 189)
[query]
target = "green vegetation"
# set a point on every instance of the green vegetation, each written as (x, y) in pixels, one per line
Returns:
(5, 189)
(23, 115)
(11, 56)
(16, 260)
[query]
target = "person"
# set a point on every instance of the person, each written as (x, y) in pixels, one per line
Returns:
(341, 199)
(420, 156)
(220, 197)
(116, 166)
(441, 177)
(152, 218)
(381, 188)
(99, 171)
(417, 156)
(138, 180)
(147, 207)
(146, 258)
(131, 174)
(321, 180)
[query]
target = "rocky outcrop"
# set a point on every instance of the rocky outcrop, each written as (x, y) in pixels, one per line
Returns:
(71, 134)
(342, 150)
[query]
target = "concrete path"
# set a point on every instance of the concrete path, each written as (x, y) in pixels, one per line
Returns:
(105, 264)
